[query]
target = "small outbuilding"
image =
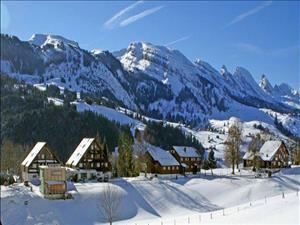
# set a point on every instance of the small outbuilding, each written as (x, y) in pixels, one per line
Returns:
(40, 155)
(53, 181)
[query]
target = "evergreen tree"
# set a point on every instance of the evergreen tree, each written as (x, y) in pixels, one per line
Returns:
(125, 165)
(212, 163)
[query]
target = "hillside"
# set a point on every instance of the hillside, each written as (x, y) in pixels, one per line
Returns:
(29, 115)
(155, 81)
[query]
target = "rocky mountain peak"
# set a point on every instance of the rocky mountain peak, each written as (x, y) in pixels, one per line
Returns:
(42, 40)
(265, 84)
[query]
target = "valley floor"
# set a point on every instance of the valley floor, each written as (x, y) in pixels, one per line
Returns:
(182, 201)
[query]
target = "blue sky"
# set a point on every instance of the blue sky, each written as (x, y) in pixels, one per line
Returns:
(260, 36)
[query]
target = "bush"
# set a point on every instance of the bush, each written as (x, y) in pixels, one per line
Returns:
(6, 179)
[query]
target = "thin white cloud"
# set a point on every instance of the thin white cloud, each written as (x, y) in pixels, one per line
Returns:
(178, 40)
(257, 50)
(251, 48)
(113, 20)
(253, 11)
(139, 16)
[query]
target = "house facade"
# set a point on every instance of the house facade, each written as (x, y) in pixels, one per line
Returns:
(161, 161)
(53, 182)
(188, 157)
(40, 155)
(89, 160)
(273, 154)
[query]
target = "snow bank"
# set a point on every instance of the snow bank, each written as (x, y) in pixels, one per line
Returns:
(150, 202)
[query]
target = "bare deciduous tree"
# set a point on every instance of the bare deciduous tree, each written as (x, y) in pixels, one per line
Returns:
(111, 199)
(254, 148)
(233, 142)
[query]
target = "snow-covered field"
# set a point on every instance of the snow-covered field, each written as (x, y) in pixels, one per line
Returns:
(182, 201)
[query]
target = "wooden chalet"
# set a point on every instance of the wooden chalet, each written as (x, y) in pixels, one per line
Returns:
(188, 157)
(273, 154)
(40, 155)
(161, 161)
(90, 160)
(53, 181)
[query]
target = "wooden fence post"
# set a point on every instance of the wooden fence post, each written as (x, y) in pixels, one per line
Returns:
(265, 199)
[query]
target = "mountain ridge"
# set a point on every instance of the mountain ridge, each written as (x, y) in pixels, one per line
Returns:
(151, 79)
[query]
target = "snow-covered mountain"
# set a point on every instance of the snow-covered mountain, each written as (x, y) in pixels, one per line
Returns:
(282, 92)
(151, 79)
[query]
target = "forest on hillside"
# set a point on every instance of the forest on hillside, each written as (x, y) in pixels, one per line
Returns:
(27, 117)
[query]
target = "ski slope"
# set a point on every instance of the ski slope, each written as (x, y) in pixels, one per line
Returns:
(152, 201)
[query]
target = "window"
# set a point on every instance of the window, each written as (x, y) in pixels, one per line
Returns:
(98, 164)
(92, 165)
(34, 165)
(164, 168)
(106, 164)
(181, 159)
(43, 156)
(80, 165)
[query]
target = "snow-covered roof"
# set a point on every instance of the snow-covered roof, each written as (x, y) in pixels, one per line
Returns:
(162, 156)
(54, 182)
(79, 151)
(185, 151)
(33, 153)
(266, 152)
(269, 149)
(184, 165)
(248, 155)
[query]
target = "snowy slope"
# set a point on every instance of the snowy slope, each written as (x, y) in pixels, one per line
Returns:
(150, 202)
(109, 113)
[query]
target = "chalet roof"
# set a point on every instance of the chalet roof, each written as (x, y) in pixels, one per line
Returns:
(248, 155)
(164, 157)
(33, 153)
(186, 151)
(269, 149)
(79, 151)
(266, 152)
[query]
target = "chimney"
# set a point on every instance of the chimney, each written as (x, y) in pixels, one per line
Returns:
(184, 149)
